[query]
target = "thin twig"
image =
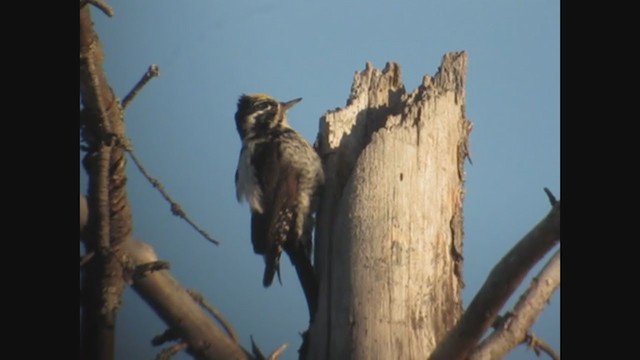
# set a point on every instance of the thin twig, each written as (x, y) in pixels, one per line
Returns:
(166, 336)
(167, 353)
(275, 355)
(538, 345)
(106, 9)
(197, 297)
(552, 198)
(175, 207)
(152, 72)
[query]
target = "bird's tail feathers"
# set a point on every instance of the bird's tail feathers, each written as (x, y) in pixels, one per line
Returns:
(272, 266)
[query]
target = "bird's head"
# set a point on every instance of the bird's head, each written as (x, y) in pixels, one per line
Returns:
(257, 113)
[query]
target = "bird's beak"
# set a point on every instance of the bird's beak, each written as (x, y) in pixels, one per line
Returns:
(289, 104)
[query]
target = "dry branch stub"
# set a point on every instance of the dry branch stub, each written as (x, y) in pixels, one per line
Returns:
(389, 236)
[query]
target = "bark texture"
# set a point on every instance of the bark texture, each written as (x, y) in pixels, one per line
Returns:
(389, 236)
(109, 215)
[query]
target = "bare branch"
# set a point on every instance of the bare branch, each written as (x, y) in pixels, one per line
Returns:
(152, 72)
(500, 284)
(106, 9)
(275, 355)
(166, 336)
(513, 330)
(215, 313)
(177, 309)
(176, 209)
(538, 346)
(552, 198)
(168, 353)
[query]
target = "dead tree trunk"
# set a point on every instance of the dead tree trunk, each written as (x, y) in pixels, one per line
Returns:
(389, 235)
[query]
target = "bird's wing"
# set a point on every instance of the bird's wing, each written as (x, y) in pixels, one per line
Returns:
(279, 184)
(272, 230)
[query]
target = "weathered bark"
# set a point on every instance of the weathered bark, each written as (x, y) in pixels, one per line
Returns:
(389, 235)
(109, 222)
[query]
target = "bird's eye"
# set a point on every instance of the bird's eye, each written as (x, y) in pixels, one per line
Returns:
(263, 105)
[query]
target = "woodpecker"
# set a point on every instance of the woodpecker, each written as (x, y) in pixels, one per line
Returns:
(279, 174)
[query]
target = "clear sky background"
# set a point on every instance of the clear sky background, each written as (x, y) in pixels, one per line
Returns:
(210, 52)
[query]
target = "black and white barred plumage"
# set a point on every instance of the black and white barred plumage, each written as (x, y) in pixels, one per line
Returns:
(278, 174)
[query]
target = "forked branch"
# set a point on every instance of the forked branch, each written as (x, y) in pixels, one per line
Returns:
(500, 284)
(512, 330)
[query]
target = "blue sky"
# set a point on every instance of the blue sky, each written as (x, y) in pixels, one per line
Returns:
(209, 52)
